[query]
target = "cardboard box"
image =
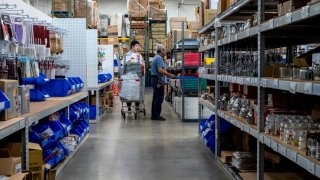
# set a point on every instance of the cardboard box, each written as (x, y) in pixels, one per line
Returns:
(226, 156)
(194, 25)
(209, 14)
(222, 6)
(24, 92)
(176, 22)
(10, 166)
(19, 176)
(35, 158)
(10, 88)
(113, 30)
(187, 34)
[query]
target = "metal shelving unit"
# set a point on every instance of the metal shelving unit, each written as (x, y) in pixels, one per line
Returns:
(183, 45)
(281, 31)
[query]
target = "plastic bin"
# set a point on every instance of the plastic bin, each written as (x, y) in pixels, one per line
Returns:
(66, 123)
(57, 128)
(203, 125)
(73, 114)
(41, 80)
(93, 112)
(62, 87)
(42, 134)
(77, 132)
(85, 125)
(57, 151)
(4, 101)
(73, 85)
(38, 95)
(76, 82)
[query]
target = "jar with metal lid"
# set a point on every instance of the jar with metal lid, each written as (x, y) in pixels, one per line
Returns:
(303, 140)
(288, 134)
(269, 124)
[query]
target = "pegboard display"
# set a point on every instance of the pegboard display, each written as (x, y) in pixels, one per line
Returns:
(75, 48)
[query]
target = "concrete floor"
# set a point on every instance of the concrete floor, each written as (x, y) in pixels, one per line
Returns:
(143, 150)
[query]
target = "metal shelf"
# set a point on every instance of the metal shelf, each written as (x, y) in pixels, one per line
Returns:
(239, 122)
(233, 9)
(189, 44)
(251, 81)
(185, 67)
(11, 126)
(100, 86)
(206, 29)
(291, 152)
(207, 48)
(278, 29)
(207, 104)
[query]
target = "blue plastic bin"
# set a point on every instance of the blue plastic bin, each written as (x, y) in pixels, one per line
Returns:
(67, 124)
(37, 135)
(58, 87)
(57, 151)
(73, 85)
(38, 95)
(76, 82)
(93, 112)
(58, 129)
(41, 80)
(4, 101)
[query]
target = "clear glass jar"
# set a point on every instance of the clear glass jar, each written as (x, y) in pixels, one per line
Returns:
(295, 137)
(277, 121)
(318, 151)
(282, 127)
(303, 140)
(269, 125)
(288, 134)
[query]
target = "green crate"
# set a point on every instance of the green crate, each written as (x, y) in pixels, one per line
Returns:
(192, 84)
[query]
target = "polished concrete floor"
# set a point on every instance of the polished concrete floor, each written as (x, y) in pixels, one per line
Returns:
(142, 150)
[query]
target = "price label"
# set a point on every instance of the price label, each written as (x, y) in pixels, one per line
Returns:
(261, 137)
(316, 89)
(236, 37)
(254, 133)
(307, 88)
(264, 82)
(292, 155)
(248, 32)
(310, 167)
(274, 146)
(248, 81)
(288, 17)
(275, 83)
(234, 79)
(317, 173)
(282, 150)
(229, 39)
(293, 87)
(271, 24)
(302, 161)
(267, 141)
(305, 12)
(246, 128)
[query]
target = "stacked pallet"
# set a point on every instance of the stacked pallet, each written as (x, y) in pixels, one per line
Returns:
(137, 8)
(156, 10)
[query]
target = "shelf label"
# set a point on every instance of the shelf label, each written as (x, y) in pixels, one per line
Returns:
(305, 12)
(22, 124)
(236, 37)
(288, 18)
(282, 149)
(317, 171)
(261, 137)
(275, 83)
(267, 141)
(302, 161)
(246, 129)
(310, 167)
(229, 39)
(234, 79)
(264, 82)
(307, 88)
(248, 81)
(271, 22)
(293, 87)
(274, 146)
(316, 89)
(292, 155)
(248, 32)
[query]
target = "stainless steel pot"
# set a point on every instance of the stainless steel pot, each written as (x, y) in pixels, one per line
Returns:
(295, 73)
(305, 74)
(285, 72)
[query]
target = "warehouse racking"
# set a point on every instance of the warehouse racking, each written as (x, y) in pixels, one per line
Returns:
(276, 32)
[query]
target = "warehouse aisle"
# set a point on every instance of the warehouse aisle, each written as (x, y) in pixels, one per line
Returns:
(142, 150)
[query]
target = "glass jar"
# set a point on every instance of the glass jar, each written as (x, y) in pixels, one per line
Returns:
(282, 127)
(295, 137)
(318, 151)
(303, 140)
(288, 134)
(277, 121)
(269, 125)
(236, 107)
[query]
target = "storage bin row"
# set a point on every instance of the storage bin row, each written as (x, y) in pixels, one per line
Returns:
(104, 77)
(63, 87)
(207, 130)
(79, 110)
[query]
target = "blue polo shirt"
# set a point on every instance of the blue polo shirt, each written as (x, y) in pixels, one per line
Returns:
(157, 62)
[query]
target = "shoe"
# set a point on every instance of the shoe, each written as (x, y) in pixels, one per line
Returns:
(158, 118)
(162, 117)
(129, 108)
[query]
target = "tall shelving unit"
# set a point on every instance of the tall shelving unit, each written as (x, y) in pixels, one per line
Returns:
(292, 29)
(182, 46)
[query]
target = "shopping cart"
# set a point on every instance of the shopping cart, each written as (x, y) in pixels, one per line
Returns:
(131, 91)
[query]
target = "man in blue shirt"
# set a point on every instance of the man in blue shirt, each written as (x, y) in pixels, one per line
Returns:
(158, 74)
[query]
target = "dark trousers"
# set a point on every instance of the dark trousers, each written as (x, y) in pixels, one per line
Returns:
(157, 99)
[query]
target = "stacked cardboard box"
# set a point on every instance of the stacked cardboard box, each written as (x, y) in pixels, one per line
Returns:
(62, 5)
(176, 22)
(137, 8)
(209, 14)
(157, 9)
